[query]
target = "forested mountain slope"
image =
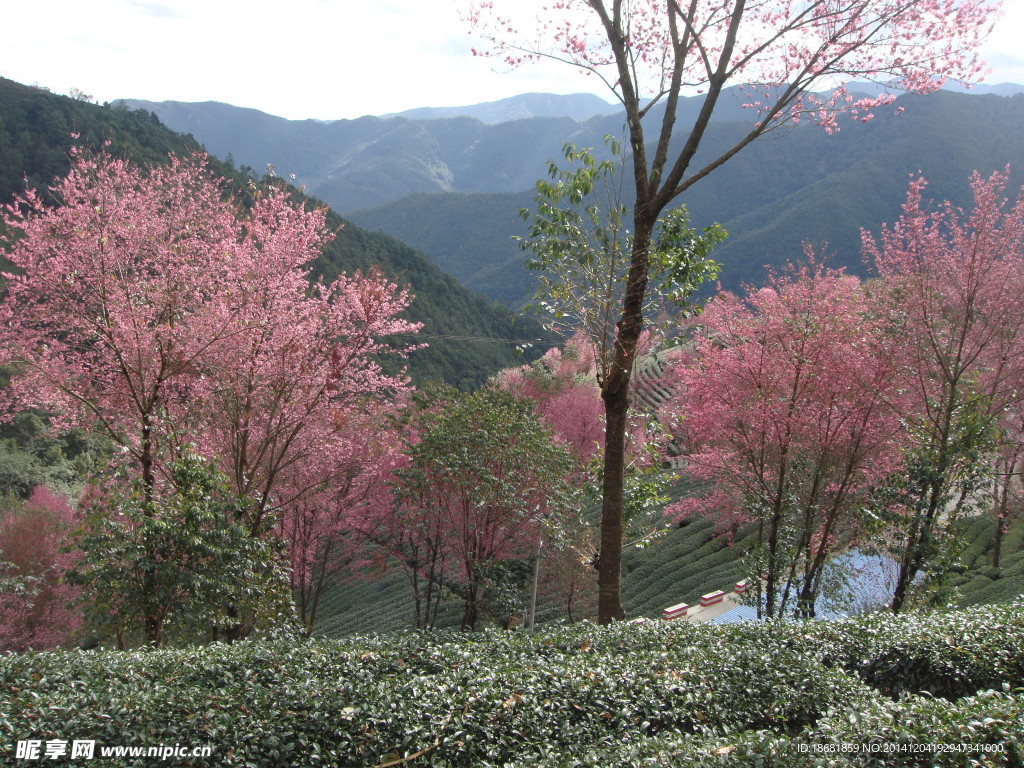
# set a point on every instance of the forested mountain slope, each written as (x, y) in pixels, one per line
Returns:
(36, 129)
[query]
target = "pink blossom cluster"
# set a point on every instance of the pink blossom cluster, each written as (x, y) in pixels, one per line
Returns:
(774, 50)
(151, 306)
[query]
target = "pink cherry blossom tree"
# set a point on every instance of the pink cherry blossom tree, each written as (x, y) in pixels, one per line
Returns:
(301, 365)
(564, 388)
(956, 290)
(151, 307)
(786, 420)
(36, 611)
(651, 53)
(116, 295)
(328, 526)
(296, 404)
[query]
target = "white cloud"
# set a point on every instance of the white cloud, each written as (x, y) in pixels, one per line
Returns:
(156, 10)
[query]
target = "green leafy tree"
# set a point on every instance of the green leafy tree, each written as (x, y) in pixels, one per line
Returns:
(583, 252)
(484, 476)
(580, 242)
(181, 565)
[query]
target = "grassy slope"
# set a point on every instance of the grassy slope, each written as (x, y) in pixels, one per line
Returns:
(681, 567)
(980, 583)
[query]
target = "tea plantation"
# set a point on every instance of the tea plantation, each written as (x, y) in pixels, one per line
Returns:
(683, 565)
(686, 563)
(942, 689)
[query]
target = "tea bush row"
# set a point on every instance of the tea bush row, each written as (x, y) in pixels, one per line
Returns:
(628, 694)
(983, 731)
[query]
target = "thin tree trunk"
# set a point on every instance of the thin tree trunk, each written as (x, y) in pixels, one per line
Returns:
(533, 590)
(997, 540)
(907, 571)
(1002, 510)
(917, 542)
(471, 599)
(146, 458)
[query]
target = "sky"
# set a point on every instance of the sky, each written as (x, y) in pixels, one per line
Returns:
(322, 59)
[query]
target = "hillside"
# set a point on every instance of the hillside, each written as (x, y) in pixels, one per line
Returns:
(800, 185)
(36, 131)
(470, 236)
(687, 562)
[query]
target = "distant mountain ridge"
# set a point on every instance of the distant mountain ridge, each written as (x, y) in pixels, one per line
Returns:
(578, 106)
(996, 89)
(800, 185)
(353, 164)
(371, 160)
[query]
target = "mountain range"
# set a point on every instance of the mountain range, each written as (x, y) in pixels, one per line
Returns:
(451, 185)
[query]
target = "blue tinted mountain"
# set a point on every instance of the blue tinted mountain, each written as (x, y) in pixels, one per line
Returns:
(578, 106)
(796, 186)
(371, 160)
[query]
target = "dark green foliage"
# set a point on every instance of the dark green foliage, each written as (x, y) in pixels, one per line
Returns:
(31, 455)
(974, 580)
(978, 731)
(36, 130)
(661, 694)
(470, 236)
(581, 245)
(178, 564)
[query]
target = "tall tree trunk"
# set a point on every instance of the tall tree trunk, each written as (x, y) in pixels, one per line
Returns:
(469, 612)
(153, 626)
(147, 458)
(771, 581)
(471, 601)
(997, 540)
(1002, 507)
(615, 394)
(915, 553)
(609, 599)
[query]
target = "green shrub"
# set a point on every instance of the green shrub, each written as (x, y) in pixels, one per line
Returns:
(645, 695)
(948, 654)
